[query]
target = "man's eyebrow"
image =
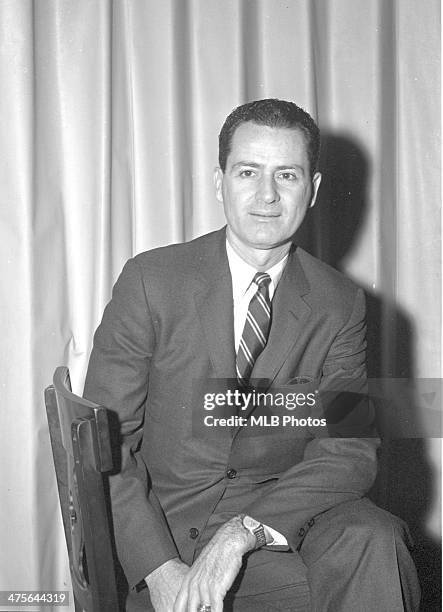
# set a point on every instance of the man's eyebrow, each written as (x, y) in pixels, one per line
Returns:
(246, 163)
(255, 165)
(289, 166)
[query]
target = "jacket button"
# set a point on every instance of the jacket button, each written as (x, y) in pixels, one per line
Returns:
(231, 473)
(311, 522)
(301, 532)
(194, 533)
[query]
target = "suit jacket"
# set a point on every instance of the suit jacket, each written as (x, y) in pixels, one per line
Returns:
(166, 333)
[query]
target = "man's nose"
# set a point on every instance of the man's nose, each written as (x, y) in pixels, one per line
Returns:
(268, 192)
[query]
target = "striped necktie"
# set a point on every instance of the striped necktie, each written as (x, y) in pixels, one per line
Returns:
(256, 329)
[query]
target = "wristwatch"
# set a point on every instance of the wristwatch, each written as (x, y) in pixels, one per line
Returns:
(256, 528)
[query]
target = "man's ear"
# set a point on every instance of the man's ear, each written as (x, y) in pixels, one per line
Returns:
(316, 180)
(218, 183)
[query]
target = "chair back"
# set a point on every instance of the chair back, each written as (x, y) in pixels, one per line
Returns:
(81, 448)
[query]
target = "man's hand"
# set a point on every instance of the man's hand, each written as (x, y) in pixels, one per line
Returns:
(164, 584)
(214, 570)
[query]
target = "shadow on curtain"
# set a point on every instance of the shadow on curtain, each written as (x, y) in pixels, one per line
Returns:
(406, 481)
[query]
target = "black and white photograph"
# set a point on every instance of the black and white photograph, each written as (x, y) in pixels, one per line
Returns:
(221, 298)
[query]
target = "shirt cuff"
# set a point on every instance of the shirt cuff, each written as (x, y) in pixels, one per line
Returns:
(274, 538)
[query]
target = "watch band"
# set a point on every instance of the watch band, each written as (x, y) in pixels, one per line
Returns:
(256, 528)
(259, 533)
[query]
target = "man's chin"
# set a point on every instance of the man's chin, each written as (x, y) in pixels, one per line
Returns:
(268, 243)
(258, 240)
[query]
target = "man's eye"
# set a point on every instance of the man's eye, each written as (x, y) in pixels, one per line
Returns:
(287, 176)
(247, 173)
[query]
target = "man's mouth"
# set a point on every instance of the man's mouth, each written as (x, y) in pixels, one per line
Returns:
(265, 215)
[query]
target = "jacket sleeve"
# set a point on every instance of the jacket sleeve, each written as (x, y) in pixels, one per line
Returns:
(334, 469)
(117, 378)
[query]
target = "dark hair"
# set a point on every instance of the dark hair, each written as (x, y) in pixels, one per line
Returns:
(273, 113)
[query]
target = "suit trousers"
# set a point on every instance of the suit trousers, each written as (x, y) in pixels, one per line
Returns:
(353, 558)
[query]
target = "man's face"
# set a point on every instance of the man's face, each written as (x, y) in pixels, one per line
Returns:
(267, 186)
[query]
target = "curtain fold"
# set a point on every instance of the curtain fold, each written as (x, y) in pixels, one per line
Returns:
(109, 117)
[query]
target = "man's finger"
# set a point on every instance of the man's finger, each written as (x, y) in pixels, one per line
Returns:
(195, 599)
(182, 598)
(216, 603)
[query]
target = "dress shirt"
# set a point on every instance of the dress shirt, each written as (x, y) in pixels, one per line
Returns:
(243, 289)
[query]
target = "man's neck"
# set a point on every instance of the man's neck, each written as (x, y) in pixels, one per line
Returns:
(260, 259)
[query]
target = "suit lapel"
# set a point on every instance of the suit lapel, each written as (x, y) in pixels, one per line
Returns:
(290, 313)
(213, 300)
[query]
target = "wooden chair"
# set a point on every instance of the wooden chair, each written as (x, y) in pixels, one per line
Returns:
(81, 449)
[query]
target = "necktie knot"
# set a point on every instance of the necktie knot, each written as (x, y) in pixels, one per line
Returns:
(261, 279)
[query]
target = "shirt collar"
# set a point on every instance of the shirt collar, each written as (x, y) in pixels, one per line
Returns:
(242, 273)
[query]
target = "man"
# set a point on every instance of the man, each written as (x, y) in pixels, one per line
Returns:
(246, 519)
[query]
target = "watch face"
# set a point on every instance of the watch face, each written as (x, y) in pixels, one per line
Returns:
(250, 523)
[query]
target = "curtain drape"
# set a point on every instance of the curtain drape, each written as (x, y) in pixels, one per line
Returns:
(109, 115)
